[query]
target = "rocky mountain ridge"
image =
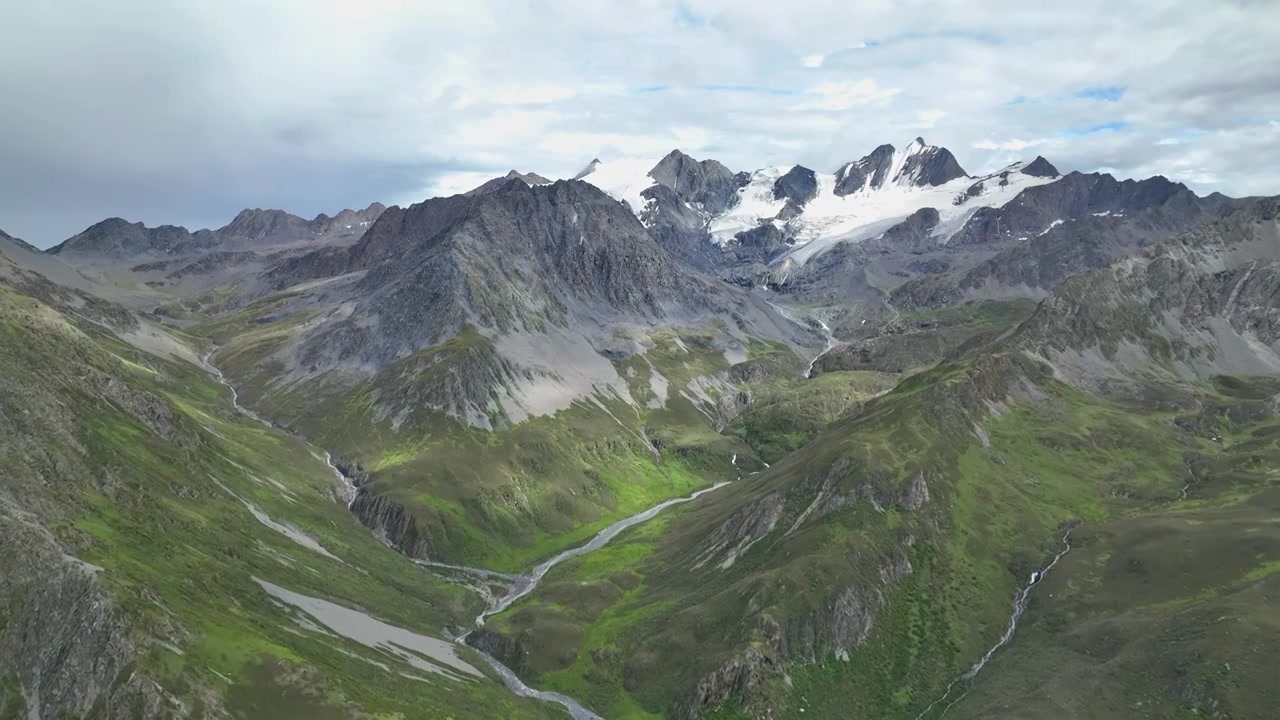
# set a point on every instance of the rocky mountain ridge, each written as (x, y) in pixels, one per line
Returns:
(117, 239)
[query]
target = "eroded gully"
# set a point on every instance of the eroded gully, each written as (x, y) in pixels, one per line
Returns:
(518, 585)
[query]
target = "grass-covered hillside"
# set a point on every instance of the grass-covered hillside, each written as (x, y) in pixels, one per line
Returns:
(143, 521)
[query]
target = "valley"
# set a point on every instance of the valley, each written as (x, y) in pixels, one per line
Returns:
(665, 440)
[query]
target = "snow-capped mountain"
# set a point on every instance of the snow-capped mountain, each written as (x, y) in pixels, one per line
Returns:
(813, 211)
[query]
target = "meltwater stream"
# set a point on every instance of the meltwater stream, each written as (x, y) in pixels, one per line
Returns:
(522, 585)
(235, 396)
(526, 583)
(826, 332)
(1019, 607)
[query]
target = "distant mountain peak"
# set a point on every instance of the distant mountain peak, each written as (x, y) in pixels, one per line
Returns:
(257, 223)
(500, 183)
(1040, 168)
(919, 164)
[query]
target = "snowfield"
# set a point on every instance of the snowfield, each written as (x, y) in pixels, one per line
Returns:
(828, 218)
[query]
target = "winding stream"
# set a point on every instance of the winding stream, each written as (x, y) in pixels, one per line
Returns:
(1019, 606)
(831, 343)
(525, 584)
(235, 396)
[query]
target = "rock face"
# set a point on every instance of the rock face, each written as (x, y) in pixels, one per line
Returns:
(1055, 231)
(347, 219)
(705, 184)
(62, 636)
(537, 273)
(1041, 168)
(259, 224)
(119, 238)
(1198, 305)
(919, 165)
(511, 260)
(797, 186)
(388, 520)
(930, 166)
(871, 171)
(504, 649)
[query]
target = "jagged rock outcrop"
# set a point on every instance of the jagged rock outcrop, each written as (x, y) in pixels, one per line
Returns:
(393, 524)
(797, 186)
(918, 165)
(870, 172)
(506, 650)
(733, 537)
(836, 629)
(63, 638)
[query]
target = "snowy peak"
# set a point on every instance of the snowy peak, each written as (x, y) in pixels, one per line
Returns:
(917, 165)
(590, 168)
(806, 211)
(1040, 169)
(623, 180)
(927, 166)
(870, 172)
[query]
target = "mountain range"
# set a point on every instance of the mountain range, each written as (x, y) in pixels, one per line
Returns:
(892, 441)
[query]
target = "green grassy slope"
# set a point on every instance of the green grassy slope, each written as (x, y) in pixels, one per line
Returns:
(639, 628)
(139, 464)
(1171, 612)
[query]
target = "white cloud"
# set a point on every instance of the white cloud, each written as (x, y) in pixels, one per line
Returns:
(1013, 145)
(835, 96)
(926, 119)
(195, 110)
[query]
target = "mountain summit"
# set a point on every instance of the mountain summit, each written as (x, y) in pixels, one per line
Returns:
(918, 165)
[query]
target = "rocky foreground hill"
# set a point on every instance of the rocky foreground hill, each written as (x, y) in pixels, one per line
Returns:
(997, 445)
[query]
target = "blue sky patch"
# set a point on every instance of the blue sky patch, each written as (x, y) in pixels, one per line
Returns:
(1082, 130)
(748, 89)
(688, 17)
(1102, 93)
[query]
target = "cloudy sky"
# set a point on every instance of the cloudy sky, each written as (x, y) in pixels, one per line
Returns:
(184, 112)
